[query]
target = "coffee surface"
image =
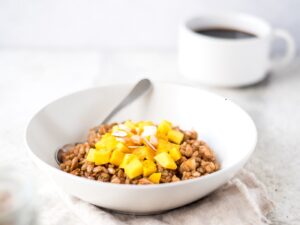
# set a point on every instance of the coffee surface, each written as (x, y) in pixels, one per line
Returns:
(226, 33)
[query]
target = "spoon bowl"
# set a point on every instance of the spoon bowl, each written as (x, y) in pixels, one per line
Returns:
(138, 90)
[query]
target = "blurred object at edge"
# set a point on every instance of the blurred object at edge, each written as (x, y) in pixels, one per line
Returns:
(17, 200)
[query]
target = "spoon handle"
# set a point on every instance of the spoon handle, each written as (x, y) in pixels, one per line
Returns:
(138, 90)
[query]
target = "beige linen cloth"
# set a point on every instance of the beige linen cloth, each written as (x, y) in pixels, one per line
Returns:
(242, 201)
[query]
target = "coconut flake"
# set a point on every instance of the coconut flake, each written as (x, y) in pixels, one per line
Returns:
(153, 140)
(136, 139)
(120, 139)
(137, 130)
(119, 133)
(124, 127)
(149, 144)
(149, 130)
(133, 146)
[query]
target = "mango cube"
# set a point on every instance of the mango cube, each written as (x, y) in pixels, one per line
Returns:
(163, 128)
(91, 154)
(127, 158)
(149, 167)
(130, 125)
(166, 161)
(175, 152)
(150, 154)
(134, 168)
(107, 141)
(122, 147)
(140, 152)
(164, 146)
(102, 156)
(175, 136)
(116, 157)
(155, 178)
(144, 153)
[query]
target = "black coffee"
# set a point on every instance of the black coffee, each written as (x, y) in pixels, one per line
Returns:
(225, 33)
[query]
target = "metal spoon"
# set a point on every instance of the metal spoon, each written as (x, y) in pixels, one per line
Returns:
(138, 90)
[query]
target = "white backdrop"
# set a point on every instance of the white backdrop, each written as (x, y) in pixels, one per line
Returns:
(91, 24)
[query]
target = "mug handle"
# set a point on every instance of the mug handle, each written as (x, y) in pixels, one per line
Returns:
(290, 49)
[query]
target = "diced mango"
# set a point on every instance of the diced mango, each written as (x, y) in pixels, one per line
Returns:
(127, 158)
(165, 160)
(164, 146)
(134, 168)
(117, 157)
(172, 149)
(163, 128)
(122, 147)
(102, 156)
(144, 152)
(127, 141)
(175, 136)
(162, 136)
(140, 152)
(130, 124)
(155, 178)
(175, 152)
(107, 141)
(150, 154)
(149, 167)
(91, 154)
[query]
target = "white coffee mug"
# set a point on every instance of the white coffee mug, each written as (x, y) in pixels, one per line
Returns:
(227, 62)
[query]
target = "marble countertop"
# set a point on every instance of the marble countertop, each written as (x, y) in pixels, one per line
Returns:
(30, 79)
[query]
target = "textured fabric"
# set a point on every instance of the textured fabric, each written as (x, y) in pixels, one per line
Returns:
(242, 201)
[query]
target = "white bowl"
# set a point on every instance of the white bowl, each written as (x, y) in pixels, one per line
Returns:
(221, 123)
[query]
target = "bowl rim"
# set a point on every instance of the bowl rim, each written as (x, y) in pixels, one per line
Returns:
(242, 160)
